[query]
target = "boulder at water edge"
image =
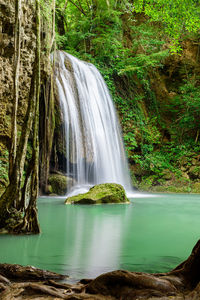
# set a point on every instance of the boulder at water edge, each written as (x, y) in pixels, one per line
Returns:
(100, 194)
(59, 183)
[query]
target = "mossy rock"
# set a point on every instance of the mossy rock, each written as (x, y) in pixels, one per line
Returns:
(194, 172)
(196, 187)
(100, 194)
(58, 184)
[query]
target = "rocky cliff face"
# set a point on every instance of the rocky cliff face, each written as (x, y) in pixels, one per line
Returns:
(28, 44)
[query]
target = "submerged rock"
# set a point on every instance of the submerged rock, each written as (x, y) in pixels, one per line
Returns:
(99, 194)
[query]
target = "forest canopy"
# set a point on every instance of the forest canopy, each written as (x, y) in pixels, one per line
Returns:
(135, 45)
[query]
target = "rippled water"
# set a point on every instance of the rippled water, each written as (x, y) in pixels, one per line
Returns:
(151, 234)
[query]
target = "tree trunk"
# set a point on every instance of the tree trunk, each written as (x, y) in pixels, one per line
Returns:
(15, 215)
(48, 121)
(11, 197)
(31, 223)
(17, 47)
(189, 270)
(47, 133)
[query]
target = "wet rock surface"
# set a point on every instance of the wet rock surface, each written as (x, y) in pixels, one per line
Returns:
(59, 184)
(101, 194)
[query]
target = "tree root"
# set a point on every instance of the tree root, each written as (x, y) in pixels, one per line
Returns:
(182, 283)
(132, 285)
(4, 280)
(2, 287)
(36, 290)
(18, 272)
(189, 270)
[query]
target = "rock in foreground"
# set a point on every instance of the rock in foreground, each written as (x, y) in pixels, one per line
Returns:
(28, 283)
(100, 194)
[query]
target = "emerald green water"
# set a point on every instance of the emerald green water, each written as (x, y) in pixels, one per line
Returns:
(151, 234)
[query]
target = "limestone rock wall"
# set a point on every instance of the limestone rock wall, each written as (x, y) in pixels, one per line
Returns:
(28, 44)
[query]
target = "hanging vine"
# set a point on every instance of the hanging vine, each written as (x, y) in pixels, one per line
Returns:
(47, 107)
(18, 201)
(17, 51)
(31, 223)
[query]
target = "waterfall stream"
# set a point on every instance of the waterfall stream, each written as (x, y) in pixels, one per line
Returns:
(94, 147)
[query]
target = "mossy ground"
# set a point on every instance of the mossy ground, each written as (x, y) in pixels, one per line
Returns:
(176, 185)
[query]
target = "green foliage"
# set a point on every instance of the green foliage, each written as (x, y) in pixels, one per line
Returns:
(92, 29)
(96, 31)
(130, 142)
(147, 49)
(177, 16)
(143, 60)
(186, 108)
(189, 104)
(169, 157)
(129, 43)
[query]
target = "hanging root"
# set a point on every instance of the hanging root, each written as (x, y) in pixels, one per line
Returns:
(29, 224)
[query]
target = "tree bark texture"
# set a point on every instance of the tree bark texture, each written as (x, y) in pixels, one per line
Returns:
(47, 106)
(47, 125)
(11, 196)
(15, 215)
(17, 48)
(31, 223)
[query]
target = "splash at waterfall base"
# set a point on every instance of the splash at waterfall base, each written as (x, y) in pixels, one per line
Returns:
(182, 283)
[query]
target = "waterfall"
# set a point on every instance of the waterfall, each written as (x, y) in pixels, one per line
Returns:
(94, 147)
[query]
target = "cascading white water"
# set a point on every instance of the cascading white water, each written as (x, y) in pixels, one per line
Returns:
(94, 147)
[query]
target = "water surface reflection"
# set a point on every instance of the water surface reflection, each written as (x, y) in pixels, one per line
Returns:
(150, 234)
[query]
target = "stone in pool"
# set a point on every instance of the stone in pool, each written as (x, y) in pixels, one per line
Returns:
(101, 194)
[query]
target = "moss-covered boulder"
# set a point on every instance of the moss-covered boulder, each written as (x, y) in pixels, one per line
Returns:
(58, 184)
(195, 187)
(194, 172)
(100, 194)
